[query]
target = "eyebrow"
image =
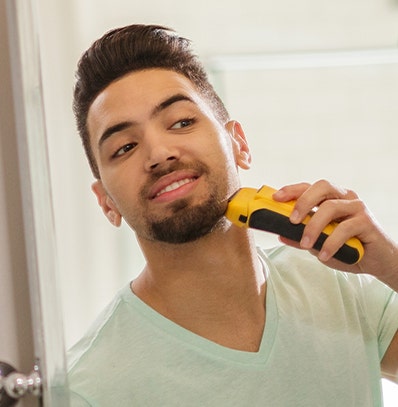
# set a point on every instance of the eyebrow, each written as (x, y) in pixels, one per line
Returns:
(157, 109)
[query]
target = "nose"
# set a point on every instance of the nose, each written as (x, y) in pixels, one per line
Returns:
(160, 151)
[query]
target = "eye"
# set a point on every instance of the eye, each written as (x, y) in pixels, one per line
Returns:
(123, 150)
(182, 123)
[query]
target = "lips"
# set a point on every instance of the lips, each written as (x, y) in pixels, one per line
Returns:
(172, 182)
(175, 185)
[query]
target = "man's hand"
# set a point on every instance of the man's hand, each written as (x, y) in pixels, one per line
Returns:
(333, 203)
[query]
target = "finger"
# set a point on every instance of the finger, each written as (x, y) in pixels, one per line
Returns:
(290, 192)
(329, 248)
(343, 232)
(296, 245)
(334, 210)
(289, 242)
(315, 195)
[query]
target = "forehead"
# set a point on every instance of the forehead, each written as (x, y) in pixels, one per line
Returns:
(144, 87)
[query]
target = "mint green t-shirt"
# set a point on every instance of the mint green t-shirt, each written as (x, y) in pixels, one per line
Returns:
(325, 334)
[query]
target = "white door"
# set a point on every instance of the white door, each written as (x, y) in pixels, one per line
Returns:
(31, 334)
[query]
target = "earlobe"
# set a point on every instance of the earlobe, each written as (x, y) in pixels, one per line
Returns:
(106, 203)
(240, 146)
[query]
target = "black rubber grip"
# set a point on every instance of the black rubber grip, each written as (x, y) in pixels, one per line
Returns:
(264, 219)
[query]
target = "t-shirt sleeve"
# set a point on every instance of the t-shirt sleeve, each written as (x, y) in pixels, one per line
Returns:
(388, 325)
(380, 305)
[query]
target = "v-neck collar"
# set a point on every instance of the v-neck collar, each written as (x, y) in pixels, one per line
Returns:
(202, 344)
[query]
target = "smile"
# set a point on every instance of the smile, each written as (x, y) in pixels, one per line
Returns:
(175, 185)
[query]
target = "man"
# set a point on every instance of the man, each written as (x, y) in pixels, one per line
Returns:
(212, 320)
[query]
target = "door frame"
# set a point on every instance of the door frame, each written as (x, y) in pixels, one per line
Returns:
(38, 223)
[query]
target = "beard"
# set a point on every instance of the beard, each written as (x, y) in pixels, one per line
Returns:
(186, 220)
(189, 223)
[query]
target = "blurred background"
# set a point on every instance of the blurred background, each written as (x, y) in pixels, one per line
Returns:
(313, 82)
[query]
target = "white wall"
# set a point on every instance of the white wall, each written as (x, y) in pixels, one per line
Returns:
(341, 125)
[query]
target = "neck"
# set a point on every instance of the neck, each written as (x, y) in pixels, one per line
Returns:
(218, 279)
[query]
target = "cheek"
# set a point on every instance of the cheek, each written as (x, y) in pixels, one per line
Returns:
(121, 191)
(122, 175)
(223, 162)
(226, 156)
(218, 144)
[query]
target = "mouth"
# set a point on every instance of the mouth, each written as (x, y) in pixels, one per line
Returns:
(173, 185)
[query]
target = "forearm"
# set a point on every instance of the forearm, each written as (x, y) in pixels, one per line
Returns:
(385, 265)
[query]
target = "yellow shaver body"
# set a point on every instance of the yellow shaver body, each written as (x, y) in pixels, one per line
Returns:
(252, 208)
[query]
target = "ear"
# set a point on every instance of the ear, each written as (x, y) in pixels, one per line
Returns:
(106, 203)
(240, 147)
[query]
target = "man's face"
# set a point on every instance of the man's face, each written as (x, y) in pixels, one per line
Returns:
(167, 165)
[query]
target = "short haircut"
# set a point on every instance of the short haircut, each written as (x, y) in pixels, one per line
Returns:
(134, 48)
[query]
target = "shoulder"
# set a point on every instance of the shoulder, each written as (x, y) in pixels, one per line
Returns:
(298, 274)
(98, 358)
(294, 264)
(285, 259)
(291, 264)
(90, 344)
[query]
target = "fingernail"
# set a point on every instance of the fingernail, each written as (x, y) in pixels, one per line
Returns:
(323, 256)
(305, 243)
(294, 217)
(279, 194)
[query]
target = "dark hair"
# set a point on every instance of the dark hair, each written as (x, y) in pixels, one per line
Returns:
(134, 48)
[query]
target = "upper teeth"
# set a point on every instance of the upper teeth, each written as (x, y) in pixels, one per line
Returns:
(174, 185)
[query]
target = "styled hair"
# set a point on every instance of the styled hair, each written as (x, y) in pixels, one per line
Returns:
(134, 48)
